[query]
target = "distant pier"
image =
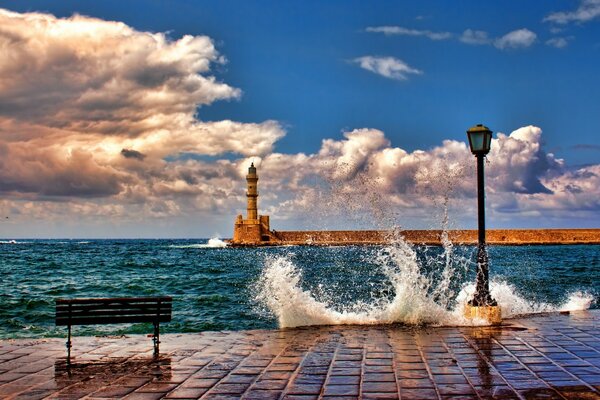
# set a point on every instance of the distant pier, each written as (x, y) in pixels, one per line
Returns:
(507, 237)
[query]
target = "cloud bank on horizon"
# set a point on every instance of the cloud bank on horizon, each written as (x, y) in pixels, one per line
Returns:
(101, 122)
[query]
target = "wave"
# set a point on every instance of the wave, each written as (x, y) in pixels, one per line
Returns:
(12, 242)
(213, 243)
(418, 299)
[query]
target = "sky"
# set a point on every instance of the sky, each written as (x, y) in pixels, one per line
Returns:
(140, 119)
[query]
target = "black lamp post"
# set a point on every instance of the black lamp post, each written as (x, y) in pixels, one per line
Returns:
(480, 139)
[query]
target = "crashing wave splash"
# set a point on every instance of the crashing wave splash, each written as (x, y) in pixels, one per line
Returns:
(213, 243)
(418, 300)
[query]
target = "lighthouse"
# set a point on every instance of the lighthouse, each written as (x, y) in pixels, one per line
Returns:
(252, 193)
(255, 228)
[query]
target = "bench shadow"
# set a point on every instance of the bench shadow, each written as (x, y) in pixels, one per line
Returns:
(109, 370)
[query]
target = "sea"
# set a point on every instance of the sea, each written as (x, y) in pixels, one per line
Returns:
(216, 287)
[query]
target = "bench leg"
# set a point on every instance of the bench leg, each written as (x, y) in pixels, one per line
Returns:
(69, 346)
(156, 338)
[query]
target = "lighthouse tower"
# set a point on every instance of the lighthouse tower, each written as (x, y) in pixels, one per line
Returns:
(252, 193)
(255, 228)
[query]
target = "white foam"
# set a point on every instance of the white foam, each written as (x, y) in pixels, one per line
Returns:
(417, 299)
(577, 301)
(216, 243)
(213, 243)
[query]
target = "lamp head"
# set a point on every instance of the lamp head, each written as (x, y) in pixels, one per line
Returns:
(480, 139)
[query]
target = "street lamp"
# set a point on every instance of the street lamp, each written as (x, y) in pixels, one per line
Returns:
(482, 305)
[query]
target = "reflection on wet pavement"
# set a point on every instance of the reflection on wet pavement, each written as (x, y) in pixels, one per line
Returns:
(548, 356)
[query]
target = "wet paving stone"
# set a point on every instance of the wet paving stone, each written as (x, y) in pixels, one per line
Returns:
(554, 356)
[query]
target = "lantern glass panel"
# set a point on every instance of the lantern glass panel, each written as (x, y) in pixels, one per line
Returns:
(488, 144)
(477, 140)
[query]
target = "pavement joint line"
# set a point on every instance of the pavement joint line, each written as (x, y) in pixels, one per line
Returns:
(329, 369)
(583, 383)
(574, 339)
(525, 366)
(568, 351)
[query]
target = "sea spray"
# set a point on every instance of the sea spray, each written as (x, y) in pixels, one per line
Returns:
(216, 243)
(429, 292)
(513, 304)
(213, 243)
(280, 290)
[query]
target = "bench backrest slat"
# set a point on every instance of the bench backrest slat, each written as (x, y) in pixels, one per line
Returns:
(114, 299)
(113, 310)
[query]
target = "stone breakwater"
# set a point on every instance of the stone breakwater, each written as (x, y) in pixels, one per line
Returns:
(431, 237)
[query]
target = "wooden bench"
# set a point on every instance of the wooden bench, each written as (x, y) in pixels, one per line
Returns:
(113, 311)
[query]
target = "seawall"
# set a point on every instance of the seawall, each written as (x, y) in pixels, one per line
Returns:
(433, 237)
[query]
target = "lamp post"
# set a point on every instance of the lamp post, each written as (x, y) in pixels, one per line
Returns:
(482, 305)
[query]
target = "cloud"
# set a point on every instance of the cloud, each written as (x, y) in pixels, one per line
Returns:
(584, 146)
(398, 30)
(365, 174)
(588, 10)
(83, 100)
(474, 37)
(388, 67)
(520, 38)
(129, 153)
(558, 42)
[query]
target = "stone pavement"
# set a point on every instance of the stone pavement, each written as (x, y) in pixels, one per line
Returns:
(548, 356)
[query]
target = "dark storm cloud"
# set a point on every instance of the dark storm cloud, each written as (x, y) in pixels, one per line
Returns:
(129, 153)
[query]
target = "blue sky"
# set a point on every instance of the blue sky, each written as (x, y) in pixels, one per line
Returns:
(295, 80)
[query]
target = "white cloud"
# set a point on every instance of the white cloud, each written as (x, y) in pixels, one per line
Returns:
(588, 10)
(474, 37)
(365, 175)
(75, 92)
(398, 30)
(520, 38)
(388, 67)
(558, 42)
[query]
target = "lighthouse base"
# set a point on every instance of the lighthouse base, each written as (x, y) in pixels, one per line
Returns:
(253, 231)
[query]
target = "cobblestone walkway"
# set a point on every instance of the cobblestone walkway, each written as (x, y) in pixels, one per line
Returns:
(551, 356)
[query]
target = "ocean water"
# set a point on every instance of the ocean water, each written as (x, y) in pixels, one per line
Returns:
(221, 288)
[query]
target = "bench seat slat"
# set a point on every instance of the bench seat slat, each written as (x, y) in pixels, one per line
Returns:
(111, 320)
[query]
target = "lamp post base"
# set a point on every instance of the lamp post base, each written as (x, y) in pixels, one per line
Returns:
(492, 314)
